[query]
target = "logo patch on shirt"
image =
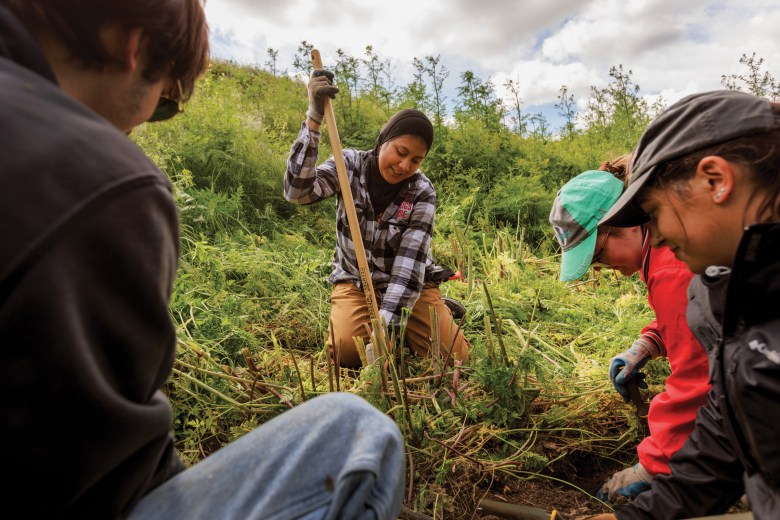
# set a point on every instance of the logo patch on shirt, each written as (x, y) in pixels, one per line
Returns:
(760, 346)
(404, 208)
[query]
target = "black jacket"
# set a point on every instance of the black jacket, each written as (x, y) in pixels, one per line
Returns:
(89, 250)
(735, 446)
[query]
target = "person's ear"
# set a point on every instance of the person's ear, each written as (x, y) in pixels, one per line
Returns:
(124, 45)
(716, 175)
(131, 50)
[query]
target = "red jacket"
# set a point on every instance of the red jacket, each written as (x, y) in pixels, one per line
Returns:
(673, 411)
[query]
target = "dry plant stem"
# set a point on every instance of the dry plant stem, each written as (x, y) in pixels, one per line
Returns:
(525, 447)
(400, 397)
(336, 358)
(533, 335)
(228, 377)
(281, 399)
(243, 382)
(255, 384)
(396, 390)
(311, 373)
(459, 436)
(360, 346)
(337, 369)
(455, 379)
(528, 339)
(410, 485)
(201, 354)
(468, 272)
(329, 356)
(382, 353)
(570, 397)
(222, 396)
(250, 363)
(409, 514)
(449, 353)
(454, 450)
(428, 378)
(496, 324)
(412, 431)
(456, 253)
(500, 337)
(413, 397)
(435, 341)
(489, 340)
(300, 379)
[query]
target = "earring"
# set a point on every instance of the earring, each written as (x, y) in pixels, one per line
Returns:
(720, 193)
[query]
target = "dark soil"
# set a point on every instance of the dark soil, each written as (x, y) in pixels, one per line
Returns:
(570, 503)
(550, 494)
(569, 492)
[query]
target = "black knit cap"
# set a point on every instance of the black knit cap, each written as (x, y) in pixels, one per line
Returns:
(406, 121)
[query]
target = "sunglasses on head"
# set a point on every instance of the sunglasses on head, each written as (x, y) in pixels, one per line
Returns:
(167, 107)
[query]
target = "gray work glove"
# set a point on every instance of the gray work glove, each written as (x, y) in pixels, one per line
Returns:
(629, 483)
(320, 85)
(625, 366)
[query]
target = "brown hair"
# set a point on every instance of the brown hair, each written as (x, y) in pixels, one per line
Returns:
(175, 32)
(620, 167)
(757, 154)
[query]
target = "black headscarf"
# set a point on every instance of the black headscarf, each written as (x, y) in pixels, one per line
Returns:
(406, 121)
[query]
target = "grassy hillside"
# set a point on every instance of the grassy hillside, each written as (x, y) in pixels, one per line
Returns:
(251, 300)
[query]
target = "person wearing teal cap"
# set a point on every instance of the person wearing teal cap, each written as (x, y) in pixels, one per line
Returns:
(576, 217)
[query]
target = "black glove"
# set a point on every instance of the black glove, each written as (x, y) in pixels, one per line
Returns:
(320, 85)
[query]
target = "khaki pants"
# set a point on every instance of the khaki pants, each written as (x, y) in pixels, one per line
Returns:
(349, 317)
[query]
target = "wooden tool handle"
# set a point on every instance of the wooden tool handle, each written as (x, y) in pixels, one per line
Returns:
(349, 204)
(642, 408)
(516, 511)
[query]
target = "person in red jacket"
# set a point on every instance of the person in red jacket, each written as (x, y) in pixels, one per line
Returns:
(577, 210)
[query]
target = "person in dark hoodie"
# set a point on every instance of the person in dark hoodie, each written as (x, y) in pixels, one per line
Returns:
(395, 205)
(90, 251)
(706, 180)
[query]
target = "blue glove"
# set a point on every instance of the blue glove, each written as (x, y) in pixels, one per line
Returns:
(625, 366)
(629, 483)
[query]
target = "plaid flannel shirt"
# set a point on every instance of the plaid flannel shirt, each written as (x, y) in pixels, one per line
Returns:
(398, 245)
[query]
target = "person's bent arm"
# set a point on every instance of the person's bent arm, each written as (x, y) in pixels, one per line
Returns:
(304, 183)
(407, 276)
(706, 476)
(673, 411)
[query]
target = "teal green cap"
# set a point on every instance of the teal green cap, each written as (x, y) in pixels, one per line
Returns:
(577, 210)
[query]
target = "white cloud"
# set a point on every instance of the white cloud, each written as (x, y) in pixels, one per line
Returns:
(672, 48)
(537, 80)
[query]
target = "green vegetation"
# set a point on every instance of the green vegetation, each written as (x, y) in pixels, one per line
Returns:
(251, 300)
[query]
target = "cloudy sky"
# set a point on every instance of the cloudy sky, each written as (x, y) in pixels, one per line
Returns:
(672, 47)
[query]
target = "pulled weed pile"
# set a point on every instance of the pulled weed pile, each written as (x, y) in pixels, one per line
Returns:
(251, 301)
(534, 401)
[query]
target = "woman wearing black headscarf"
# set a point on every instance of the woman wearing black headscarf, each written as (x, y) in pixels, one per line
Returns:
(395, 205)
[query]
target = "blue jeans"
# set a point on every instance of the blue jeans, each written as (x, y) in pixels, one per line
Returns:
(332, 457)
